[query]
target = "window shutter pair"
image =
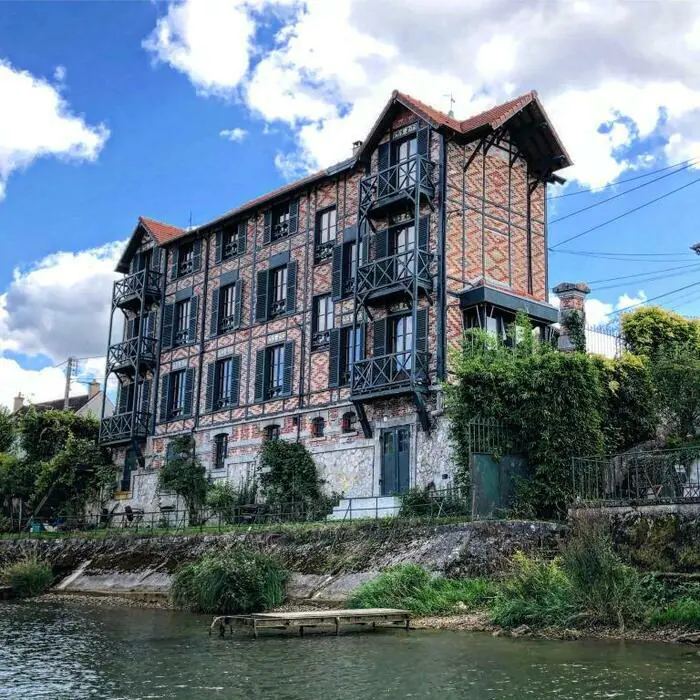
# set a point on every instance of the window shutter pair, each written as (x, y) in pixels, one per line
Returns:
(216, 308)
(164, 397)
(189, 390)
(262, 372)
(192, 331)
(241, 227)
(233, 388)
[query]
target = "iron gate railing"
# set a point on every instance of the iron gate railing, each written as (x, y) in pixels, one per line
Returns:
(409, 368)
(402, 178)
(142, 282)
(654, 477)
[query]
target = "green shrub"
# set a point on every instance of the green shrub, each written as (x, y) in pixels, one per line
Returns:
(237, 582)
(535, 592)
(684, 612)
(28, 578)
(424, 503)
(411, 587)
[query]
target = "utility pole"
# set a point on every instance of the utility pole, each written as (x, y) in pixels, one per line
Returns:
(71, 363)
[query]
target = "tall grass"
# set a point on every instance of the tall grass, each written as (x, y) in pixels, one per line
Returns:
(411, 587)
(28, 578)
(237, 582)
(683, 613)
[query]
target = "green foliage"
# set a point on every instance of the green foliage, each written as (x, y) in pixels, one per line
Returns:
(231, 583)
(28, 578)
(290, 481)
(576, 329)
(652, 329)
(684, 612)
(425, 503)
(411, 587)
(225, 500)
(17, 477)
(7, 429)
(185, 475)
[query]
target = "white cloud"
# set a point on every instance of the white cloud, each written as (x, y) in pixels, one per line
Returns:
(35, 385)
(36, 121)
(632, 67)
(59, 74)
(236, 134)
(60, 306)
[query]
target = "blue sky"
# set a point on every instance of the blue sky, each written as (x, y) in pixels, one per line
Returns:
(142, 92)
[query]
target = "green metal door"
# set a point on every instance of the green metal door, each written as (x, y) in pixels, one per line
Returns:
(396, 460)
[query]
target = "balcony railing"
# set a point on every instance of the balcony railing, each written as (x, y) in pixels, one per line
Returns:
(134, 287)
(394, 371)
(407, 178)
(126, 353)
(124, 426)
(395, 270)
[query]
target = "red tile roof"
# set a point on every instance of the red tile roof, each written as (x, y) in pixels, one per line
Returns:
(162, 233)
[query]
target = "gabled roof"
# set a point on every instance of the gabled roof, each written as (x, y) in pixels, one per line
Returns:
(75, 403)
(161, 233)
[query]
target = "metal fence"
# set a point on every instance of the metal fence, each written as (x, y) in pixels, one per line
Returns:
(604, 340)
(421, 504)
(639, 478)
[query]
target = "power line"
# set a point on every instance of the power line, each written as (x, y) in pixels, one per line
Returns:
(619, 182)
(597, 252)
(655, 278)
(659, 296)
(621, 194)
(621, 258)
(626, 213)
(644, 274)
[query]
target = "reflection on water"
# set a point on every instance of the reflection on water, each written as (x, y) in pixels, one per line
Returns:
(81, 651)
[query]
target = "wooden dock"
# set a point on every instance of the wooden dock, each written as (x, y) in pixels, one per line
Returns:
(369, 617)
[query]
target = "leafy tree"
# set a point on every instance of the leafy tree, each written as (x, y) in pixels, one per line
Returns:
(44, 434)
(184, 474)
(17, 477)
(649, 330)
(7, 429)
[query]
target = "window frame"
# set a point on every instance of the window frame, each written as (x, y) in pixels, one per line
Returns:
(348, 423)
(321, 336)
(223, 373)
(220, 450)
(349, 267)
(277, 294)
(274, 371)
(227, 298)
(176, 394)
(280, 217)
(185, 258)
(272, 432)
(229, 240)
(348, 350)
(318, 427)
(181, 335)
(325, 236)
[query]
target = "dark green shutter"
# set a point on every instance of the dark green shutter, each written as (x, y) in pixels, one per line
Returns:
(189, 390)
(423, 142)
(260, 358)
(422, 330)
(424, 232)
(379, 344)
(164, 397)
(267, 228)
(192, 331)
(215, 303)
(261, 295)
(211, 382)
(381, 244)
(150, 331)
(337, 273)
(334, 358)
(145, 395)
(291, 286)
(197, 255)
(219, 245)
(237, 302)
(132, 264)
(293, 216)
(176, 259)
(167, 328)
(288, 366)
(123, 399)
(156, 259)
(235, 380)
(242, 227)
(383, 156)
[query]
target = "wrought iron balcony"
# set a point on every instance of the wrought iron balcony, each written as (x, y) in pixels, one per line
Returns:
(394, 274)
(129, 291)
(394, 373)
(122, 427)
(409, 179)
(132, 355)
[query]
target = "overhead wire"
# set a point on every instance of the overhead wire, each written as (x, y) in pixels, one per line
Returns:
(654, 298)
(621, 194)
(695, 265)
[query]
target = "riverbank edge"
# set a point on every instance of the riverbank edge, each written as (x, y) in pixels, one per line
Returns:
(475, 621)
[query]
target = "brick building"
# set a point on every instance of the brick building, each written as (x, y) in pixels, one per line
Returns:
(323, 311)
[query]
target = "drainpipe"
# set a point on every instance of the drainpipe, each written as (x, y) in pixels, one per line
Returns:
(441, 282)
(205, 288)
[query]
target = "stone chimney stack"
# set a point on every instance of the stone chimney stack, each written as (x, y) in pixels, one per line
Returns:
(572, 298)
(94, 388)
(356, 146)
(18, 402)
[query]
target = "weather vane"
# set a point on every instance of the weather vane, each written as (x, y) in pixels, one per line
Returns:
(451, 113)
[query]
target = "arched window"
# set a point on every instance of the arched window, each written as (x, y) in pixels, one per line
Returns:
(347, 422)
(318, 425)
(272, 432)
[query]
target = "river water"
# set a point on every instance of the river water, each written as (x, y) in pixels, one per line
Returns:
(74, 651)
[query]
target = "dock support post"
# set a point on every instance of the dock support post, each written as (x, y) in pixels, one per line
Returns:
(337, 626)
(408, 622)
(301, 631)
(255, 628)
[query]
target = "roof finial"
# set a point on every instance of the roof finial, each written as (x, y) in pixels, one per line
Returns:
(451, 113)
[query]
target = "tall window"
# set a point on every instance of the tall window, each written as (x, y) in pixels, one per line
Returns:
(280, 221)
(229, 242)
(278, 291)
(350, 267)
(185, 258)
(220, 450)
(351, 351)
(318, 426)
(176, 400)
(322, 320)
(222, 388)
(181, 336)
(402, 155)
(272, 432)
(403, 245)
(227, 308)
(275, 371)
(325, 233)
(402, 339)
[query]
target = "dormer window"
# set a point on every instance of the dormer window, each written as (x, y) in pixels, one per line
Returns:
(185, 259)
(280, 221)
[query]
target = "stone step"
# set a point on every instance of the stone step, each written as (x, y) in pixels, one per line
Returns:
(366, 507)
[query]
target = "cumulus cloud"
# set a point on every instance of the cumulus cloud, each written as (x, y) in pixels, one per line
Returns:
(60, 306)
(37, 121)
(236, 134)
(610, 74)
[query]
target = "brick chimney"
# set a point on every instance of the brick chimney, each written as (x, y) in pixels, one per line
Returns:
(18, 402)
(94, 388)
(572, 298)
(356, 146)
